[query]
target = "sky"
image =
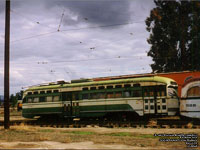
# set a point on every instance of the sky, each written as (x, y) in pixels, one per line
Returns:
(52, 40)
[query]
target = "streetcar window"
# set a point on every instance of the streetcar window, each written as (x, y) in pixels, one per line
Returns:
(163, 90)
(172, 92)
(145, 92)
(194, 91)
(173, 83)
(35, 100)
(77, 96)
(102, 95)
(110, 95)
(163, 100)
(42, 92)
(118, 94)
(29, 100)
(158, 107)
(109, 87)
(56, 98)
(101, 87)
(151, 100)
(146, 107)
(29, 93)
(151, 92)
(136, 85)
(127, 85)
(85, 96)
(164, 107)
(93, 95)
(163, 93)
(49, 91)
(42, 99)
(151, 107)
(158, 93)
(55, 91)
(35, 92)
(146, 100)
(49, 98)
(136, 93)
(127, 94)
(85, 89)
(118, 86)
(93, 88)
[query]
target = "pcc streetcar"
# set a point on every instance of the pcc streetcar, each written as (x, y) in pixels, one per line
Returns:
(190, 99)
(122, 98)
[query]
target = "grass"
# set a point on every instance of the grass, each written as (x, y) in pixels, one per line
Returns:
(120, 134)
(79, 132)
(147, 136)
(46, 130)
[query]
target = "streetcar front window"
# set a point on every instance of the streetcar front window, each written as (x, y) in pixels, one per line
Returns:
(194, 92)
(172, 91)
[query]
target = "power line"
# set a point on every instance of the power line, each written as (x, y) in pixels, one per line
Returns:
(103, 26)
(61, 20)
(34, 36)
(110, 42)
(82, 60)
(43, 34)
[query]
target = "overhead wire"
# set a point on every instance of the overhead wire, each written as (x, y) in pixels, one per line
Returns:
(61, 20)
(102, 26)
(43, 34)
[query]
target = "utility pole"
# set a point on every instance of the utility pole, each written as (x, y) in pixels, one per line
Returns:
(6, 66)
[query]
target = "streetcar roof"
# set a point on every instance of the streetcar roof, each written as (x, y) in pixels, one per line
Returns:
(158, 79)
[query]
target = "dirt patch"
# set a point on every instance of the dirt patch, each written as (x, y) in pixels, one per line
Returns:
(56, 145)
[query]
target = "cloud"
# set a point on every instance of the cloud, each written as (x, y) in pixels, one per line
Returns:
(41, 54)
(93, 12)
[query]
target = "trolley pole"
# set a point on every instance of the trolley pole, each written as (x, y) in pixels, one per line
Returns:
(6, 66)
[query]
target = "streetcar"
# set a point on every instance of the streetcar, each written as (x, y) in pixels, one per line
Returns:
(121, 98)
(190, 99)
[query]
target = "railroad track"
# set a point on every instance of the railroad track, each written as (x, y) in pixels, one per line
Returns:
(153, 123)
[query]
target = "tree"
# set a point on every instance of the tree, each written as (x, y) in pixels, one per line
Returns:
(19, 95)
(13, 100)
(174, 28)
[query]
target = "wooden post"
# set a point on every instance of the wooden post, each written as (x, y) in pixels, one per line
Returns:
(6, 66)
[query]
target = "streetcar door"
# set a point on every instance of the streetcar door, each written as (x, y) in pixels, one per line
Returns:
(67, 104)
(161, 100)
(75, 104)
(149, 100)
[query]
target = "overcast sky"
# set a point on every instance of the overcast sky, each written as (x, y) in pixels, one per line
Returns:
(55, 40)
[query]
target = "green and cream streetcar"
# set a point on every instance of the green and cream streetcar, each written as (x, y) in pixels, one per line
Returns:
(127, 98)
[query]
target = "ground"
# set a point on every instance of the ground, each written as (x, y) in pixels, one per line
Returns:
(23, 136)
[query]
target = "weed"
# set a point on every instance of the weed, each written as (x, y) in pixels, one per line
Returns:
(120, 134)
(142, 145)
(146, 136)
(46, 130)
(79, 132)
